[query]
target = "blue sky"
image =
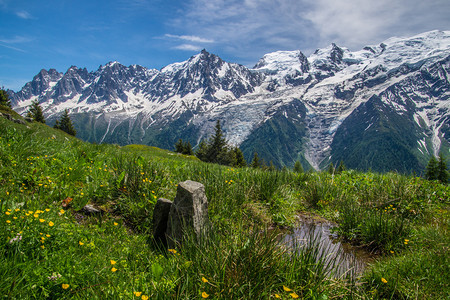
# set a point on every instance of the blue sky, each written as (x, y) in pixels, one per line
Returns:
(37, 35)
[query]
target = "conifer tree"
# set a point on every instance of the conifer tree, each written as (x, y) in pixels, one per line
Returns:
(442, 175)
(216, 150)
(298, 168)
(202, 151)
(331, 168)
(255, 162)
(179, 146)
(35, 112)
(65, 124)
(217, 146)
(432, 171)
(271, 166)
(341, 168)
(239, 158)
(184, 147)
(187, 148)
(263, 164)
(4, 98)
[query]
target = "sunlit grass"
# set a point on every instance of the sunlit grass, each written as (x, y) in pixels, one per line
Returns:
(49, 249)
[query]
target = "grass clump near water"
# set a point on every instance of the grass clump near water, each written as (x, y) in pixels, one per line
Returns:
(50, 249)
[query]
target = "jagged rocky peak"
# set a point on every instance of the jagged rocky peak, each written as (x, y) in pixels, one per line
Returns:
(43, 79)
(74, 71)
(336, 54)
(114, 68)
(204, 61)
(39, 86)
(207, 74)
(71, 84)
(330, 59)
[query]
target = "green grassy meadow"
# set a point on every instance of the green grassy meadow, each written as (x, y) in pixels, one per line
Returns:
(49, 249)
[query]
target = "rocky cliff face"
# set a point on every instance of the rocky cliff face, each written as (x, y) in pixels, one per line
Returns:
(369, 108)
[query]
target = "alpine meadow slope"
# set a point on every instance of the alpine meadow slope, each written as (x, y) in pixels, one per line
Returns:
(385, 107)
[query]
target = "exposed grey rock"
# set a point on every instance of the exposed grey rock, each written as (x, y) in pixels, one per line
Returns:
(91, 210)
(6, 116)
(189, 212)
(19, 121)
(9, 117)
(160, 217)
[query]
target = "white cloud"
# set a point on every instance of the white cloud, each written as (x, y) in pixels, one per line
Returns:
(16, 40)
(187, 47)
(355, 23)
(190, 38)
(246, 29)
(250, 28)
(24, 15)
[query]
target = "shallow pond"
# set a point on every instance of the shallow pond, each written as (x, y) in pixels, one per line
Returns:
(341, 258)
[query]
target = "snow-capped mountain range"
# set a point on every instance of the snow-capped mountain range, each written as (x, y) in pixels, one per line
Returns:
(385, 107)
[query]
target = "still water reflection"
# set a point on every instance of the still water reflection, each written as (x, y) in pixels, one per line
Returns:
(340, 259)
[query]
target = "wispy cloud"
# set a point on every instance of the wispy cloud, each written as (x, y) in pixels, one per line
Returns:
(247, 29)
(251, 28)
(16, 40)
(13, 48)
(188, 47)
(190, 38)
(7, 43)
(24, 15)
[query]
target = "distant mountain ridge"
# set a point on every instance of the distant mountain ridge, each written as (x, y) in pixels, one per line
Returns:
(385, 107)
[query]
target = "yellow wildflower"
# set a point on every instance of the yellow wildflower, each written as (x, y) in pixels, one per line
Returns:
(47, 209)
(286, 289)
(65, 286)
(204, 280)
(277, 296)
(205, 295)
(42, 220)
(144, 297)
(62, 211)
(113, 262)
(113, 269)
(80, 243)
(8, 221)
(137, 294)
(294, 295)
(7, 213)
(51, 223)
(383, 280)
(173, 251)
(115, 223)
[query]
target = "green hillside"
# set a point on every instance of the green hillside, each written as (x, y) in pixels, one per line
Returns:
(50, 249)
